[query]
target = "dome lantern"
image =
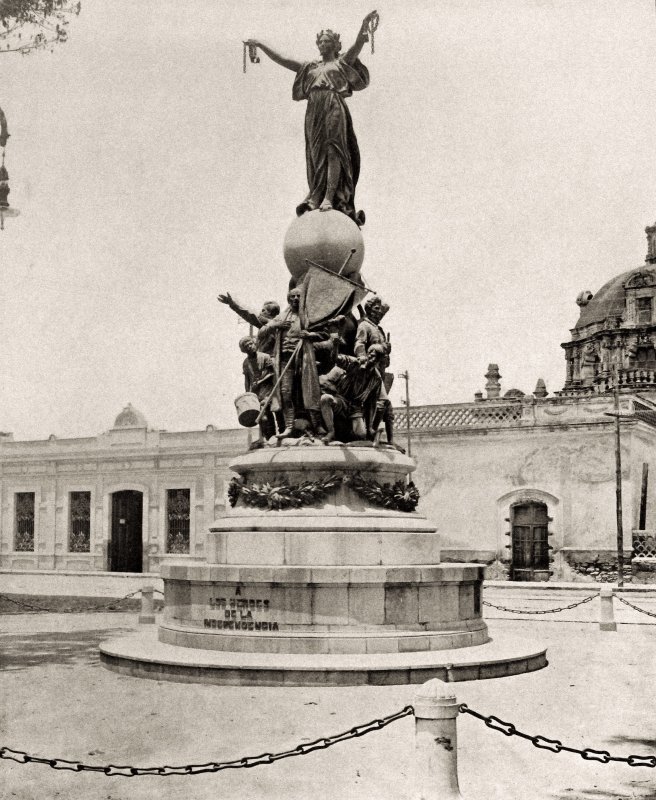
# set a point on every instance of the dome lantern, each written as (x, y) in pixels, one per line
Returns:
(130, 417)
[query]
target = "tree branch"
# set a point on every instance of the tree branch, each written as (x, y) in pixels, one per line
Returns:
(26, 21)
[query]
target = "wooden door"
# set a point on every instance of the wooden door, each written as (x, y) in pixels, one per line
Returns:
(529, 542)
(126, 547)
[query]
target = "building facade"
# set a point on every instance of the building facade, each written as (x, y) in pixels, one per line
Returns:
(523, 483)
(123, 501)
(528, 485)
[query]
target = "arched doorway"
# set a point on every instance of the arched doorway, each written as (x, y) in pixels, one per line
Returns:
(126, 544)
(529, 523)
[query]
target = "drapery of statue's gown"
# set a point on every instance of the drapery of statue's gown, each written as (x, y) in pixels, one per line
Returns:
(328, 123)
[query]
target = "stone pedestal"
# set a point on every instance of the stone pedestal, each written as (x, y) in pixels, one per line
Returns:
(345, 576)
(342, 592)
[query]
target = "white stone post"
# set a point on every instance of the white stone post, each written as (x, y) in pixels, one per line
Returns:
(606, 616)
(436, 744)
(147, 615)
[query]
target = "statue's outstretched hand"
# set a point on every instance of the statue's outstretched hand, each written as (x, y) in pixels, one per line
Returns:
(225, 298)
(372, 15)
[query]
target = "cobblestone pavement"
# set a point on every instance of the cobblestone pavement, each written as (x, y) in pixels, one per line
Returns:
(59, 701)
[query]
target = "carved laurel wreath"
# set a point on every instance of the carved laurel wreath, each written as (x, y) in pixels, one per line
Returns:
(398, 496)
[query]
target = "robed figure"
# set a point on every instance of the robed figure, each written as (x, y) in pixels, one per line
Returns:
(295, 362)
(329, 133)
(331, 148)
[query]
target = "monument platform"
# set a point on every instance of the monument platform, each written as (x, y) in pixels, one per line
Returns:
(343, 589)
(141, 655)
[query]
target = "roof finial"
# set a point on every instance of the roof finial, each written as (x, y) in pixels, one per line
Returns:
(493, 385)
(650, 230)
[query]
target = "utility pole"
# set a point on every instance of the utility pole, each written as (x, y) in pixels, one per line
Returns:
(406, 377)
(618, 483)
(618, 475)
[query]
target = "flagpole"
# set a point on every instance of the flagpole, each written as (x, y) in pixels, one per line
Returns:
(342, 277)
(277, 383)
(345, 264)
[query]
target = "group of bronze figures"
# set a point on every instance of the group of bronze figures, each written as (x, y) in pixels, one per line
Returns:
(327, 382)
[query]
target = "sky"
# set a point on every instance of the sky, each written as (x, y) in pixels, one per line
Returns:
(507, 164)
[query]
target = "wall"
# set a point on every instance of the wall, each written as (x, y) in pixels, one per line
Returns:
(147, 461)
(474, 460)
(469, 478)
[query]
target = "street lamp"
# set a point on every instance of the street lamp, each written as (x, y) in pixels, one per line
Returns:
(5, 209)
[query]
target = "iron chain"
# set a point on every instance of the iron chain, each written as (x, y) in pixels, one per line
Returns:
(556, 746)
(41, 609)
(635, 608)
(542, 611)
(211, 766)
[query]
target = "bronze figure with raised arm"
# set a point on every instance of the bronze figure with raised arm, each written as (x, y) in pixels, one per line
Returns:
(270, 309)
(331, 148)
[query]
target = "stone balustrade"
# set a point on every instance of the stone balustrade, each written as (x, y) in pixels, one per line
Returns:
(605, 382)
(463, 415)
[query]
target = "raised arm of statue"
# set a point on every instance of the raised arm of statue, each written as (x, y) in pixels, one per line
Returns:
(245, 313)
(353, 52)
(288, 63)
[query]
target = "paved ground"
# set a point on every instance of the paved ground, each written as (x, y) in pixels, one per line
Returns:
(58, 701)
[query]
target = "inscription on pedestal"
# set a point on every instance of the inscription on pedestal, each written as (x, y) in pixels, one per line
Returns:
(240, 613)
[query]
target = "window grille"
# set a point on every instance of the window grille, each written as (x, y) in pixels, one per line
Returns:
(178, 520)
(79, 529)
(24, 538)
(644, 545)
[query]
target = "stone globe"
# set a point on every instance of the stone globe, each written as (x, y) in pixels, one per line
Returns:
(327, 238)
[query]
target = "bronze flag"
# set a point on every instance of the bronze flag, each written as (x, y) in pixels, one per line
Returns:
(325, 294)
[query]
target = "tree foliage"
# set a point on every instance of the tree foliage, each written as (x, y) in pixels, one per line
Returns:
(28, 25)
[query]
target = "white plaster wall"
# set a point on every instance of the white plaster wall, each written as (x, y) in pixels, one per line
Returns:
(467, 478)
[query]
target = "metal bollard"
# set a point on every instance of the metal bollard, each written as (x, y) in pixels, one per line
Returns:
(436, 744)
(606, 616)
(147, 615)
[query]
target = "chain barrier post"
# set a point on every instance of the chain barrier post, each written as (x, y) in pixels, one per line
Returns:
(606, 616)
(436, 744)
(147, 615)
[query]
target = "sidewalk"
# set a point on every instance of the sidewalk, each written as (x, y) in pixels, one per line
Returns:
(60, 702)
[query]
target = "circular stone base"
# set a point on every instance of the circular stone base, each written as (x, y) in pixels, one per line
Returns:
(288, 609)
(141, 655)
(331, 639)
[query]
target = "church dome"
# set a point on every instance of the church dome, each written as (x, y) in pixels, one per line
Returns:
(609, 301)
(130, 418)
(614, 340)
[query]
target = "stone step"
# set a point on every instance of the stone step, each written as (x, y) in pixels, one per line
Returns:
(323, 639)
(281, 543)
(323, 574)
(142, 655)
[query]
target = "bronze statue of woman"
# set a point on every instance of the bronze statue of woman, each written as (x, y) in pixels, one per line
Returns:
(331, 149)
